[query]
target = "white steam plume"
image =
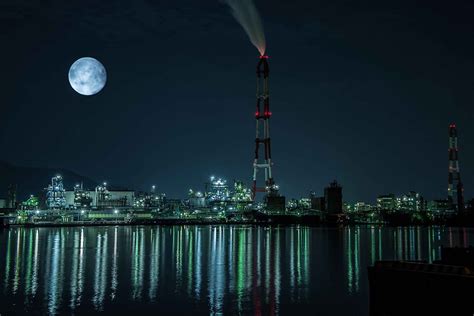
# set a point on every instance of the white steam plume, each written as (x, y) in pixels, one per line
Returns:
(247, 15)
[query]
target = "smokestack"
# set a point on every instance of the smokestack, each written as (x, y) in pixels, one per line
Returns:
(455, 192)
(262, 136)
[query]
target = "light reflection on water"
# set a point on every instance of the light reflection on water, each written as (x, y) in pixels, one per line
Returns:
(205, 269)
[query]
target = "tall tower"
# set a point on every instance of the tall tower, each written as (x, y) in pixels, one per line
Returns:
(455, 186)
(262, 116)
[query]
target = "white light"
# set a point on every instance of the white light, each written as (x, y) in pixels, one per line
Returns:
(82, 212)
(37, 212)
(116, 211)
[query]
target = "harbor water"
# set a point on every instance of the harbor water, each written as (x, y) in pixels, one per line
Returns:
(220, 269)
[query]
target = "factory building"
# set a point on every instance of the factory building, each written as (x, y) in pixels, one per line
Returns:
(362, 207)
(333, 198)
(412, 202)
(317, 203)
(149, 200)
(101, 197)
(11, 197)
(439, 206)
(347, 207)
(275, 204)
(196, 199)
(387, 202)
(115, 198)
(217, 190)
(218, 196)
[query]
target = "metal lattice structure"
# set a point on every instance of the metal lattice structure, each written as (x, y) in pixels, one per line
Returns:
(262, 137)
(455, 186)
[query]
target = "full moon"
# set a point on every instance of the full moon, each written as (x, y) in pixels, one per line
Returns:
(87, 76)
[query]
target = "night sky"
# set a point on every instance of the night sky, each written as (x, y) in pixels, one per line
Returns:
(360, 92)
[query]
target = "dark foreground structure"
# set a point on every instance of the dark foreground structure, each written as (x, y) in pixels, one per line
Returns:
(419, 288)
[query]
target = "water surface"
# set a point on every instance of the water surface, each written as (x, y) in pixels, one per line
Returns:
(204, 269)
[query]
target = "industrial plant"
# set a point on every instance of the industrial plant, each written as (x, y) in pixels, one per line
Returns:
(220, 201)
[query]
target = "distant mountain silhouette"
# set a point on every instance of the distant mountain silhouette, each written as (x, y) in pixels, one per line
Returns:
(33, 180)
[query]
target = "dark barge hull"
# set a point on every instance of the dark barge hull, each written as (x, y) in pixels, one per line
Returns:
(416, 288)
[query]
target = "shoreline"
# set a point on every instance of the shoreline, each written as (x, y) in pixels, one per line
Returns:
(218, 223)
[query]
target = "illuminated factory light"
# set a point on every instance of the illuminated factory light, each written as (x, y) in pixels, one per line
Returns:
(217, 190)
(55, 196)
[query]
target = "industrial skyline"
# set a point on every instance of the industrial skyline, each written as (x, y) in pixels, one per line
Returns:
(218, 197)
(454, 198)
